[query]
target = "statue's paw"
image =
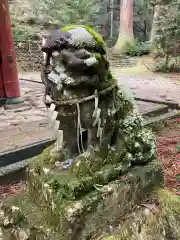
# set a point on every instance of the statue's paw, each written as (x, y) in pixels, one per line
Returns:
(55, 53)
(69, 81)
(83, 54)
(59, 86)
(48, 100)
(63, 77)
(90, 61)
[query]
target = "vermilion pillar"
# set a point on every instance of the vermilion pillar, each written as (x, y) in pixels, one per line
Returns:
(9, 82)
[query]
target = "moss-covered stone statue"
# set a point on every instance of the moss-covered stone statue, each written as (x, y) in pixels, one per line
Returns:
(103, 163)
(93, 111)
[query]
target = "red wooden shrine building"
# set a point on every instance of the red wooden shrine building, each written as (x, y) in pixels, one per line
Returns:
(9, 82)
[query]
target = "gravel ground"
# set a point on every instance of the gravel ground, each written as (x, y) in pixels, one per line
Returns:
(168, 150)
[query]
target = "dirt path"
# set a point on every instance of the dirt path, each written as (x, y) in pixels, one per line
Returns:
(151, 86)
(25, 125)
(34, 109)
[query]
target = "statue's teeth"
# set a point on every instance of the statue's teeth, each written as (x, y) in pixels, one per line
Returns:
(52, 107)
(48, 99)
(51, 110)
(53, 117)
(55, 53)
(59, 141)
(96, 106)
(99, 127)
(56, 126)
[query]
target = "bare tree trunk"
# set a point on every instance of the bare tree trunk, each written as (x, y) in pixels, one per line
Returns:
(126, 25)
(154, 25)
(148, 22)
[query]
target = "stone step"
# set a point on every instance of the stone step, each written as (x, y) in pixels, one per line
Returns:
(13, 168)
(169, 115)
(171, 103)
(151, 109)
(24, 152)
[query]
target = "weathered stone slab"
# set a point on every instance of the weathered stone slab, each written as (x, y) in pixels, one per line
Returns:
(152, 87)
(149, 109)
(23, 134)
(169, 115)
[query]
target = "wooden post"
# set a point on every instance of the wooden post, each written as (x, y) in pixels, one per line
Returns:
(8, 69)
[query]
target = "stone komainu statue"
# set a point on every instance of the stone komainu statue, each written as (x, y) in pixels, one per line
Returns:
(81, 191)
(91, 107)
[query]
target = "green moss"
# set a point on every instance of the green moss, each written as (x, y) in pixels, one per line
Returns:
(87, 166)
(48, 158)
(98, 56)
(169, 201)
(96, 168)
(111, 77)
(123, 103)
(68, 187)
(108, 79)
(140, 142)
(108, 204)
(94, 210)
(145, 224)
(96, 36)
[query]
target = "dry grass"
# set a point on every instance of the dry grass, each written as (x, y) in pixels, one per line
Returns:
(142, 68)
(139, 70)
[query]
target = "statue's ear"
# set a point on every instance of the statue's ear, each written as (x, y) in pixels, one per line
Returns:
(47, 48)
(58, 45)
(44, 49)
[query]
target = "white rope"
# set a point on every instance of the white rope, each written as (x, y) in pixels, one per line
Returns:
(100, 134)
(98, 130)
(114, 99)
(79, 129)
(96, 104)
(97, 117)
